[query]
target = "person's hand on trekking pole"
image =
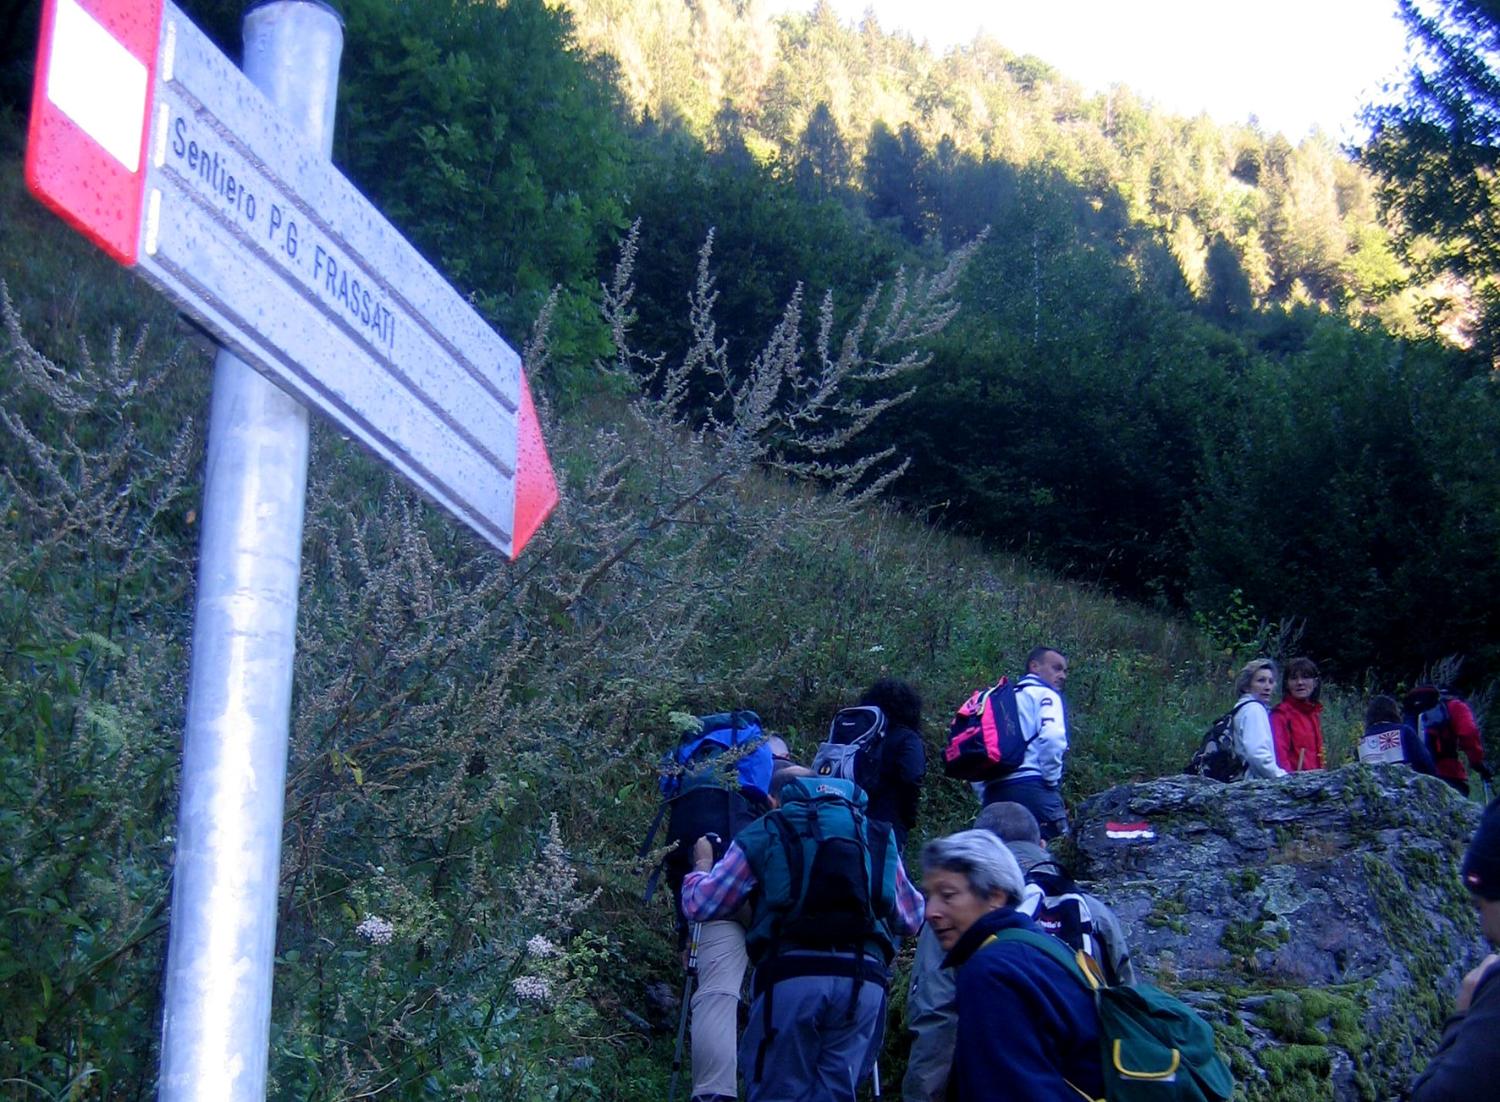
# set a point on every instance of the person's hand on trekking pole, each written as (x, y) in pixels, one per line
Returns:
(703, 854)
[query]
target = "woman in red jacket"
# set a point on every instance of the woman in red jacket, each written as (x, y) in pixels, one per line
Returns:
(1297, 722)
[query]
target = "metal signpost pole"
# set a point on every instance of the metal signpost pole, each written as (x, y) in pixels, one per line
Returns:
(215, 187)
(216, 1025)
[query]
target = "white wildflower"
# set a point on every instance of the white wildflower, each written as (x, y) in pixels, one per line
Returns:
(539, 946)
(376, 930)
(531, 987)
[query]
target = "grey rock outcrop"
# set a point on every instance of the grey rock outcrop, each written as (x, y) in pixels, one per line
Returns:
(1317, 921)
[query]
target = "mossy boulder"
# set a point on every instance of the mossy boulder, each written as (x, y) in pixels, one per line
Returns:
(1318, 921)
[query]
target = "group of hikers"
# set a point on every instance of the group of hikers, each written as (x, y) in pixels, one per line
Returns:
(1020, 982)
(1429, 729)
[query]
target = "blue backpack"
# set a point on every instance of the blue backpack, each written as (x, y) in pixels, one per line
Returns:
(714, 782)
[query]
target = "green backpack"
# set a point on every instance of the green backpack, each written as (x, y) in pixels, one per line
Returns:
(1156, 1047)
(826, 875)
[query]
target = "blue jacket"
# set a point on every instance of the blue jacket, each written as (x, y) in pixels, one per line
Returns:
(1026, 1027)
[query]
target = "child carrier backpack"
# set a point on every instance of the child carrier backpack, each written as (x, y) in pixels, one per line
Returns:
(713, 783)
(985, 740)
(854, 749)
(1057, 906)
(836, 888)
(1216, 757)
(1154, 1047)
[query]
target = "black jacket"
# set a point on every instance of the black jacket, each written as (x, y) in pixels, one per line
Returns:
(1466, 1065)
(903, 762)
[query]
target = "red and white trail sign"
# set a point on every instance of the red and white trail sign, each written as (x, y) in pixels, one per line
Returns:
(150, 142)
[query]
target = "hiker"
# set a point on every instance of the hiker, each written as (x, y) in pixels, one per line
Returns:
(1387, 740)
(715, 782)
(830, 900)
(903, 761)
(1446, 724)
(1466, 1064)
(1036, 783)
(1297, 721)
(1026, 1027)
(931, 1009)
(1018, 829)
(1253, 741)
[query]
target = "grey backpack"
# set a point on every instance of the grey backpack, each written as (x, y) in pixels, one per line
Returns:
(853, 749)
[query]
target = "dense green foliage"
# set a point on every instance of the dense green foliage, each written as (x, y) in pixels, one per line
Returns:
(1169, 322)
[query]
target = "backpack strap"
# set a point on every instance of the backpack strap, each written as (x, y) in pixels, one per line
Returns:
(791, 845)
(878, 849)
(661, 813)
(1078, 965)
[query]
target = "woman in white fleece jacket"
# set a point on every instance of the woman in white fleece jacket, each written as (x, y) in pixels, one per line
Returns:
(1256, 685)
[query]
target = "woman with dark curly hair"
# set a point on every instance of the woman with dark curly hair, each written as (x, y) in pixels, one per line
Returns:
(903, 761)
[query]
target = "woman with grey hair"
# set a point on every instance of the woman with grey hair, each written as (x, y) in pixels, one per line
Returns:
(1255, 686)
(1007, 987)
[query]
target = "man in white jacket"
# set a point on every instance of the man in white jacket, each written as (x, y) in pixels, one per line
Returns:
(1037, 783)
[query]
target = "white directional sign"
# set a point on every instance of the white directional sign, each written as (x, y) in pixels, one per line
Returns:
(150, 141)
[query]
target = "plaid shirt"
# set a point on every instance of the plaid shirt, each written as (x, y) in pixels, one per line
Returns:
(720, 891)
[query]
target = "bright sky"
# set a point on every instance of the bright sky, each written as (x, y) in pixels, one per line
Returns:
(1294, 64)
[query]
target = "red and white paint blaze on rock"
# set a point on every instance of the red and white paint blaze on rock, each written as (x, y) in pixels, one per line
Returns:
(1130, 832)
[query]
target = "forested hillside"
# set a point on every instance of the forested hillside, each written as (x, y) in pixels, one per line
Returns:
(1194, 362)
(846, 352)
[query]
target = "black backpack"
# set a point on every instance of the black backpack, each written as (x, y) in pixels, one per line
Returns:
(714, 783)
(1425, 710)
(1216, 757)
(984, 739)
(855, 747)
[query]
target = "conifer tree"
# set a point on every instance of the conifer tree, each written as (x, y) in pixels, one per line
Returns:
(1437, 148)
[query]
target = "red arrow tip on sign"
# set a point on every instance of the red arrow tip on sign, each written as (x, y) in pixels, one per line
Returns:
(536, 486)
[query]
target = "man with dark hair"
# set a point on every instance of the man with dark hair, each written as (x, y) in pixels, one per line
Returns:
(830, 901)
(903, 761)
(931, 1004)
(1036, 784)
(1466, 1064)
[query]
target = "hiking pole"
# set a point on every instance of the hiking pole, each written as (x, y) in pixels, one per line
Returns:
(682, 1020)
(875, 1076)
